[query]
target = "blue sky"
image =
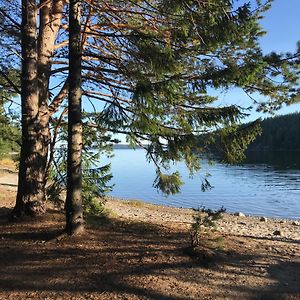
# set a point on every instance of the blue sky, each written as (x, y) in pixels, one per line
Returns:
(282, 23)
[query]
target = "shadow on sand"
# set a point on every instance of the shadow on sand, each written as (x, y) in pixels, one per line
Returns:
(127, 260)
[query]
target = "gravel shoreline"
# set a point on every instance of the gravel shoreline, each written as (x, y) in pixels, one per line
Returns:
(136, 210)
(234, 224)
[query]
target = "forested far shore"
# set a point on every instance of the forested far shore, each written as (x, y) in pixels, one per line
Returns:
(278, 133)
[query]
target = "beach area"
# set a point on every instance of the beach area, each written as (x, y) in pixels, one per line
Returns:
(142, 251)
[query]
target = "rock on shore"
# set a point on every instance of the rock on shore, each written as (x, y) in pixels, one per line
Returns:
(236, 224)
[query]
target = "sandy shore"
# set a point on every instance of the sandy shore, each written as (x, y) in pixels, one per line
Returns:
(240, 225)
(182, 218)
(127, 258)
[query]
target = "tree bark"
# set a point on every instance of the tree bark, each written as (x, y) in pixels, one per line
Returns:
(50, 16)
(30, 196)
(37, 52)
(74, 211)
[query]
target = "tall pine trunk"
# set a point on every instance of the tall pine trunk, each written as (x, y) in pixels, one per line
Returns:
(50, 16)
(37, 51)
(30, 196)
(74, 211)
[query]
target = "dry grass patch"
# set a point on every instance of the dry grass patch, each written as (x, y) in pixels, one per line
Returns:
(134, 203)
(8, 163)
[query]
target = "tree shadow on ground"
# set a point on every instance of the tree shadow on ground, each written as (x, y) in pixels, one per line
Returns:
(273, 238)
(4, 212)
(132, 260)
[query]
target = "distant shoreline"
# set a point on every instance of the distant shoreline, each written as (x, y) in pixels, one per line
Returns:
(125, 146)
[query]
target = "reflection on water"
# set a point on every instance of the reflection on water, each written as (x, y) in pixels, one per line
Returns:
(279, 160)
(266, 184)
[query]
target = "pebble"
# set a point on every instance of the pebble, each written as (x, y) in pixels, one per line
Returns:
(239, 214)
(234, 223)
(296, 223)
(263, 219)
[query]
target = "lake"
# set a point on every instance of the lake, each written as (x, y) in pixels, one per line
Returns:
(266, 184)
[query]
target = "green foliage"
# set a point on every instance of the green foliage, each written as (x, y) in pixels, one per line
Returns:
(230, 143)
(95, 177)
(9, 129)
(168, 56)
(204, 220)
(94, 187)
(9, 136)
(95, 181)
(234, 142)
(168, 184)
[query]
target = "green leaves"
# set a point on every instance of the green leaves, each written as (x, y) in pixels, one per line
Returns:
(204, 220)
(235, 140)
(10, 134)
(168, 184)
(157, 64)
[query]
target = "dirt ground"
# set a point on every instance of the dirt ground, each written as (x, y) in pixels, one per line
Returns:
(121, 257)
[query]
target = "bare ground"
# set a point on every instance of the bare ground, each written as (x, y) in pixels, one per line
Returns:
(141, 251)
(122, 259)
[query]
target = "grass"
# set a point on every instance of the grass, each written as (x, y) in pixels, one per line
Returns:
(97, 221)
(8, 163)
(134, 203)
(216, 243)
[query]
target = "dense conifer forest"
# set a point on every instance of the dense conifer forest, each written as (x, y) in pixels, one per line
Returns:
(278, 133)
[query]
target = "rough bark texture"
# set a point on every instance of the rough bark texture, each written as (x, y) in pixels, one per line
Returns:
(37, 52)
(74, 211)
(50, 20)
(30, 196)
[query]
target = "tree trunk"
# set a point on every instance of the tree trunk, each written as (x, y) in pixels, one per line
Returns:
(37, 52)
(30, 196)
(74, 211)
(50, 16)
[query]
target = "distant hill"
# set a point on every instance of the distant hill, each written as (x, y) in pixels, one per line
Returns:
(278, 133)
(124, 146)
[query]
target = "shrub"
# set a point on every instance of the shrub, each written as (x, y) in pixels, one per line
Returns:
(203, 221)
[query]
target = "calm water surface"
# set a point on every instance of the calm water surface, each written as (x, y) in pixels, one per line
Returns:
(266, 184)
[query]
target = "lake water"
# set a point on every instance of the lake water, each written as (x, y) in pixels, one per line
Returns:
(266, 184)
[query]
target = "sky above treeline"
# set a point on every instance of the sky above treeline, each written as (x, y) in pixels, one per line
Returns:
(282, 24)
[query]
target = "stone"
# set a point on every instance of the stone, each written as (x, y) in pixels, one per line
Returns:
(263, 219)
(296, 223)
(277, 232)
(239, 214)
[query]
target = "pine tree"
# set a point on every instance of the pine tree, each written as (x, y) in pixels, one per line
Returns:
(152, 65)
